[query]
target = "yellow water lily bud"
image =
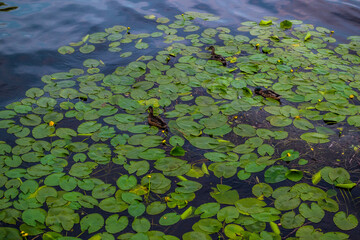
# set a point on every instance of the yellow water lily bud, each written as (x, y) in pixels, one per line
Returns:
(351, 96)
(319, 100)
(311, 149)
(51, 123)
(288, 154)
(22, 232)
(25, 235)
(279, 60)
(163, 141)
(128, 28)
(297, 117)
(332, 32)
(167, 199)
(257, 45)
(291, 70)
(149, 176)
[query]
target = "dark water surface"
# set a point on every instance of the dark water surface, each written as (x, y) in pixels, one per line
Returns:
(31, 34)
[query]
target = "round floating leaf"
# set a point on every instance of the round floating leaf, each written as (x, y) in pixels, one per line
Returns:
(196, 235)
(275, 174)
(34, 92)
(207, 210)
(313, 137)
(262, 189)
(188, 187)
(308, 232)
(290, 220)
(303, 124)
(294, 175)
(249, 205)
(92, 222)
(228, 214)
(87, 48)
(344, 221)
(66, 50)
(208, 225)
(103, 191)
(34, 216)
(141, 225)
(279, 121)
(42, 131)
(354, 120)
(136, 209)
(112, 205)
(314, 213)
(126, 182)
(88, 127)
(61, 218)
(115, 224)
(245, 130)
(82, 170)
(155, 208)
(169, 219)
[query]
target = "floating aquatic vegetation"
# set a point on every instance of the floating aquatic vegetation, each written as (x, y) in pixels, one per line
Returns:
(85, 161)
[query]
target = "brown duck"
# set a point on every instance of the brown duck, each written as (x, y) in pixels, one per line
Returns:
(217, 57)
(267, 93)
(155, 120)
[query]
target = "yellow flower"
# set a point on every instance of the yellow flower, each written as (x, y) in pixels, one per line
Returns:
(279, 60)
(22, 232)
(319, 100)
(351, 96)
(128, 28)
(291, 70)
(257, 45)
(235, 117)
(288, 154)
(25, 234)
(167, 199)
(233, 59)
(51, 123)
(297, 117)
(163, 141)
(332, 32)
(149, 176)
(163, 131)
(311, 149)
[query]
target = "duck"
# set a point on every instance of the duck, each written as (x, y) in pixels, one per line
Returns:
(217, 57)
(267, 93)
(155, 120)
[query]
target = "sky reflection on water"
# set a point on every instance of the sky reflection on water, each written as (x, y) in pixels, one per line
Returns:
(31, 34)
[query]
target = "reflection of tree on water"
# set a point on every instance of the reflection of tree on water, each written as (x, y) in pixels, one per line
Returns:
(6, 9)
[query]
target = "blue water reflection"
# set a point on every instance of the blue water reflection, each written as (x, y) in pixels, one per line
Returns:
(31, 34)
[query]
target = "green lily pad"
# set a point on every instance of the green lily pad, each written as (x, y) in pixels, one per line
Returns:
(92, 222)
(169, 219)
(344, 221)
(115, 224)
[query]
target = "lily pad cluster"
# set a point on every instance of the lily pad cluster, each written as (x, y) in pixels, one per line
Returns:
(85, 161)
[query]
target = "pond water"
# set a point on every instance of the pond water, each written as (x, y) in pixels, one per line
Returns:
(244, 152)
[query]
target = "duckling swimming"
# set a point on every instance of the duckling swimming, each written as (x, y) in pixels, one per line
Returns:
(155, 120)
(267, 93)
(217, 57)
